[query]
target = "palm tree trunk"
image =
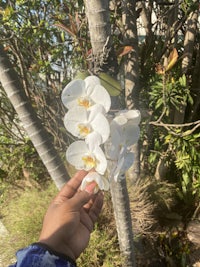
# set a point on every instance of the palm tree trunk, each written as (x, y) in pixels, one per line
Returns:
(31, 123)
(98, 15)
(131, 72)
(121, 205)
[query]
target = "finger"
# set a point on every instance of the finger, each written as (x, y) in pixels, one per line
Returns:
(79, 200)
(86, 221)
(90, 203)
(96, 207)
(71, 187)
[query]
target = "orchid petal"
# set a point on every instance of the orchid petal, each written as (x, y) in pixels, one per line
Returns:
(101, 125)
(71, 92)
(102, 182)
(117, 170)
(86, 93)
(100, 96)
(96, 108)
(131, 134)
(132, 114)
(120, 120)
(73, 120)
(123, 164)
(93, 139)
(116, 133)
(75, 152)
(82, 122)
(90, 83)
(113, 152)
(101, 167)
(128, 161)
(79, 155)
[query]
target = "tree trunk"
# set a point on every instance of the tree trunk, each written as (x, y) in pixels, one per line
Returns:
(31, 123)
(100, 34)
(120, 199)
(131, 72)
(189, 41)
(131, 66)
(98, 15)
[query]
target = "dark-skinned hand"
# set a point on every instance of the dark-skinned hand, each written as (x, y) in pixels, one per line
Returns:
(70, 217)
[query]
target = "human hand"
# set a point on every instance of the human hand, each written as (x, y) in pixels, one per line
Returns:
(70, 218)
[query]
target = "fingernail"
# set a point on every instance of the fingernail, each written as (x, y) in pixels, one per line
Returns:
(90, 188)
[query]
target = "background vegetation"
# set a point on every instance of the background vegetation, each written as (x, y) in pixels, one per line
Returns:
(48, 42)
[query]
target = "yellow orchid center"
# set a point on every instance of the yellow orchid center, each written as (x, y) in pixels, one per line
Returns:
(84, 102)
(84, 130)
(89, 161)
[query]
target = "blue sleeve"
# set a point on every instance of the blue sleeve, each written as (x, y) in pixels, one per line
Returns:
(38, 255)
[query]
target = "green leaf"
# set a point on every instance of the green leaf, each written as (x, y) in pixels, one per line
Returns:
(159, 103)
(183, 81)
(81, 75)
(186, 179)
(112, 86)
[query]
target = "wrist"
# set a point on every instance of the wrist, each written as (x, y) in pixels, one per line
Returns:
(61, 251)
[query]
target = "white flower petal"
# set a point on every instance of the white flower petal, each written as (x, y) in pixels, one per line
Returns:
(116, 133)
(128, 161)
(100, 96)
(90, 83)
(96, 108)
(75, 152)
(102, 162)
(100, 124)
(86, 93)
(93, 139)
(113, 152)
(72, 92)
(123, 164)
(132, 114)
(120, 120)
(79, 155)
(101, 181)
(74, 118)
(117, 169)
(131, 134)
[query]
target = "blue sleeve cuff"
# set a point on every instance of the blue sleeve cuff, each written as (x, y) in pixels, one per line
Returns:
(39, 255)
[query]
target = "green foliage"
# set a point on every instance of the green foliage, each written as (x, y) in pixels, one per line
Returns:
(177, 146)
(167, 92)
(185, 150)
(19, 160)
(189, 5)
(174, 248)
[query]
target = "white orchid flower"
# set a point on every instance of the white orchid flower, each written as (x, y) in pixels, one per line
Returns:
(132, 114)
(94, 177)
(86, 93)
(124, 133)
(122, 164)
(89, 124)
(84, 157)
